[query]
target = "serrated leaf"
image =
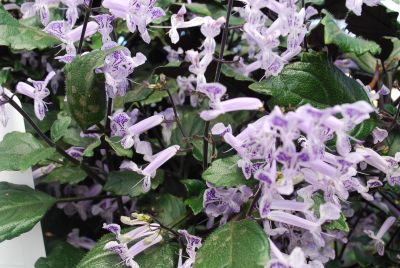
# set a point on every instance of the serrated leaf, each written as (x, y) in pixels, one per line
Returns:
(237, 244)
(22, 37)
(346, 43)
(63, 255)
(159, 256)
(21, 207)
(70, 175)
(169, 209)
(115, 143)
(86, 101)
(59, 127)
(89, 150)
(19, 151)
(128, 183)
(224, 172)
(318, 82)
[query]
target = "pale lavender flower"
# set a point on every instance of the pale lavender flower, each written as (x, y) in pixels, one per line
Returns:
(76, 152)
(137, 13)
(186, 86)
(173, 55)
(224, 202)
(29, 9)
(77, 241)
(379, 135)
(356, 5)
(133, 132)
(192, 244)
(150, 170)
(72, 10)
(377, 238)
(144, 236)
(168, 126)
(42, 171)
(105, 22)
(38, 91)
(121, 121)
(178, 21)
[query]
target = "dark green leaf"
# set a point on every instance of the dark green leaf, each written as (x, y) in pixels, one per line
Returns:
(130, 183)
(393, 143)
(224, 172)
(159, 256)
(345, 42)
(86, 100)
(72, 137)
(59, 127)
(192, 125)
(169, 209)
(316, 81)
(89, 150)
(70, 175)
(63, 255)
(19, 151)
(19, 36)
(195, 203)
(115, 143)
(237, 244)
(194, 187)
(21, 208)
(198, 150)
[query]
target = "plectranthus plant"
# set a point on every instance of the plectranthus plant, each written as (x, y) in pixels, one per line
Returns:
(203, 133)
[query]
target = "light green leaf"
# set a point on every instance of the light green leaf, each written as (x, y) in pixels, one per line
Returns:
(318, 82)
(59, 127)
(86, 99)
(21, 37)
(129, 183)
(70, 175)
(20, 151)
(21, 208)
(169, 208)
(115, 143)
(237, 244)
(160, 256)
(224, 172)
(394, 57)
(89, 150)
(72, 137)
(63, 255)
(346, 43)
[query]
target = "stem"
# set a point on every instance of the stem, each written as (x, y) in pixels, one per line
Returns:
(254, 202)
(77, 199)
(85, 22)
(178, 122)
(216, 79)
(61, 151)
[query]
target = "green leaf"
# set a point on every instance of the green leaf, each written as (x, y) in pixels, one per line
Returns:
(339, 224)
(394, 57)
(21, 208)
(199, 9)
(72, 137)
(115, 143)
(346, 43)
(198, 150)
(224, 172)
(366, 61)
(230, 72)
(59, 127)
(393, 143)
(192, 125)
(169, 208)
(195, 189)
(97, 257)
(19, 151)
(237, 244)
(21, 37)
(89, 151)
(44, 124)
(63, 255)
(86, 100)
(158, 256)
(129, 183)
(70, 175)
(318, 82)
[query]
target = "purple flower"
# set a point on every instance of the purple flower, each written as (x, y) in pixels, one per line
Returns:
(29, 9)
(224, 202)
(178, 22)
(105, 22)
(150, 170)
(72, 10)
(379, 135)
(38, 91)
(192, 244)
(377, 238)
(77, 241)
(144, 236)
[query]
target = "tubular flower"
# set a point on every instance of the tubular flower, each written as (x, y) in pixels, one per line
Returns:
(377, 238)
